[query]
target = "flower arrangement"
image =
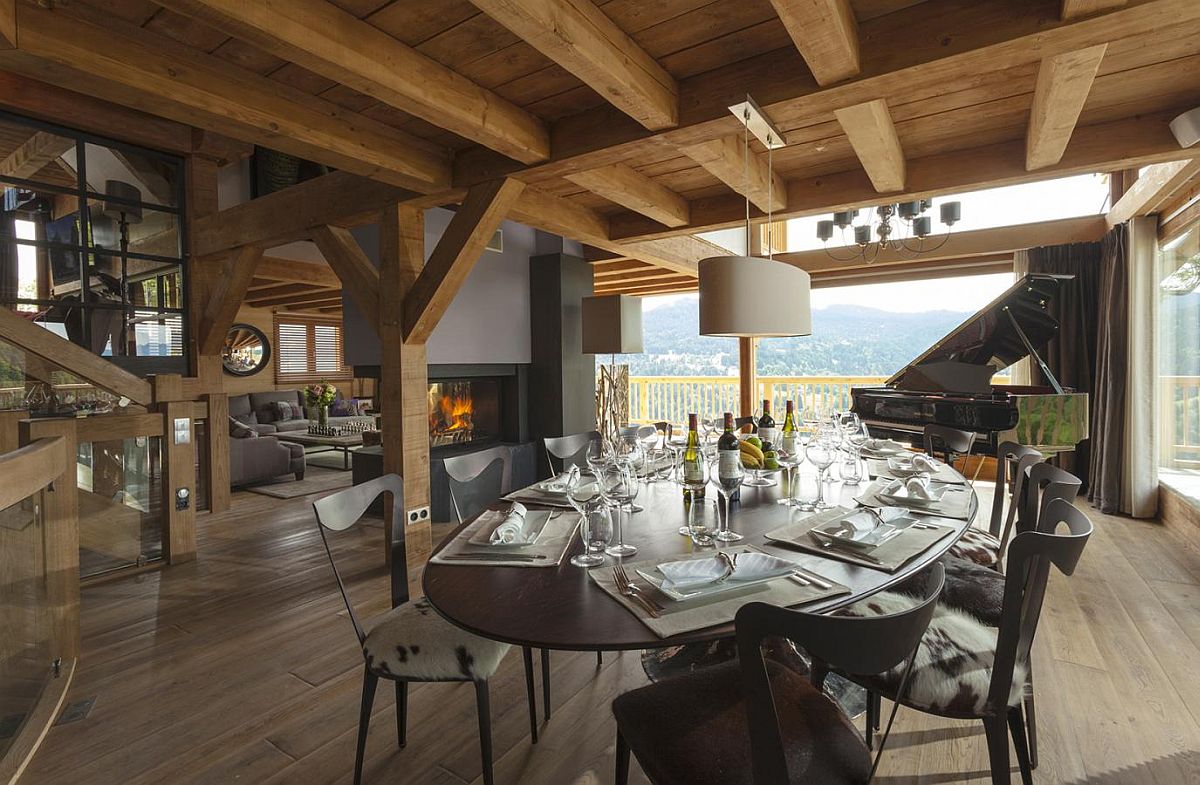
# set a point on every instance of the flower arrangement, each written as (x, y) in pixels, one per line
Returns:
(320, 394)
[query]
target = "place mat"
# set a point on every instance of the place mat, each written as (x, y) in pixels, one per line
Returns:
(955, 504)
(889, 557)
(532, 495)
(880, 468)
(702, 612)
(551, 546)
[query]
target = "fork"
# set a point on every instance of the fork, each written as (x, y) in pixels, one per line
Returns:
(629, 590)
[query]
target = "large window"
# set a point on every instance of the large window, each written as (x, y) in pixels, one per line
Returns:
(1179, 357)
(308, 349)
(91, 239)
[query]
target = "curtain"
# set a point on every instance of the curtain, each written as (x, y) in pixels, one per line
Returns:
(1020, 370)
(1108, 401)
(1139, 486)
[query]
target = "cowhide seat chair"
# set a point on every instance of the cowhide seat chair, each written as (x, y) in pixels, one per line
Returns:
(968, 670)
(410, 643)
(984, 546)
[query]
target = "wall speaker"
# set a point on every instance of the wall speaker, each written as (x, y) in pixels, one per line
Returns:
(1186, 127)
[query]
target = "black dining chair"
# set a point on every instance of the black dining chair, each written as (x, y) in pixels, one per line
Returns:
(985, 546)
(666, 429)
(412, 642)
(946, 443)
(752, 721)
(967, 670)
(569, 450)
(740, 425)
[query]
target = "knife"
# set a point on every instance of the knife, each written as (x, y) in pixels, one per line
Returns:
(830, 544)
(491, 557)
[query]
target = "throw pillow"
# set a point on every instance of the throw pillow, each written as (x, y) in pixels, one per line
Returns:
(343, 408)
(283, 411)
(249, 418)
(239, 430)
(297, 412)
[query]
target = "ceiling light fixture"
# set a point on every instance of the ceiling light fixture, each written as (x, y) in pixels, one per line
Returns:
(898, 226)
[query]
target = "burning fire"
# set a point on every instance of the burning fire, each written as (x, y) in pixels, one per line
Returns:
(450, 413)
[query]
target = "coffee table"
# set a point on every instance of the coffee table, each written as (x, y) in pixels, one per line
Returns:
(340, 444)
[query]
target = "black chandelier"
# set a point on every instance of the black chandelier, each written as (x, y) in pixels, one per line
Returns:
(902, 226)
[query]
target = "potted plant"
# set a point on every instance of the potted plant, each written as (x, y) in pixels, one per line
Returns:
(320, 396)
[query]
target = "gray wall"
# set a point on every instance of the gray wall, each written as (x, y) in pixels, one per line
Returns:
(489, 320)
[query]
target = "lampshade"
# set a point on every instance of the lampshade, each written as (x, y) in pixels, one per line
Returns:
(612, 324)
(745, 296)
(132, 213)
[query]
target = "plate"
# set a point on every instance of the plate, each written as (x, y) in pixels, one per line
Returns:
(897, 493)
(731, 584)
(903, 466)
(535, 524)
(862, 529)
(881, 448)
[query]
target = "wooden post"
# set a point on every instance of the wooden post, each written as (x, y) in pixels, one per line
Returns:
(748, 374)
(217, 454)
(179, 471)
(202, 273)
(404, 381)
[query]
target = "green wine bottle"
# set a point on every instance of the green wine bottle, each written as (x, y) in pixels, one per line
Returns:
(766, 426)
(789, 431)
(693, 457)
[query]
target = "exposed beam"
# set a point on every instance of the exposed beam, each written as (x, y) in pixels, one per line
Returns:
(1063, 83)
(154, 73)
(358, 275)
(646, 291)
(60, 352)
(325, 39)
(255, 292)
(873, 136)
(1152, 190)
(632, 287)
(914, 271)
(456, 253)
(724, 159)
(38, 150)
(310, 274)
(635, 191)
(1076, 8)
(316, 305)
(228, 291)
(826, 33)
(621, 267)
(580, 38)
(323, 297)
(8, 24)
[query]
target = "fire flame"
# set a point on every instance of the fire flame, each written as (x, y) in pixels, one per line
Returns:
(450, 410)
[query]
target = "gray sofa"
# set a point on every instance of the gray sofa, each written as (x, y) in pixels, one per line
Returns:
(255, 458)
(260, 412)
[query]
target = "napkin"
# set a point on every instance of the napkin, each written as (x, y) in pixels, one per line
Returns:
(882, 445)
(917, 488)
(563, 482)
(924, 463)
(511, 531)
(692, 573)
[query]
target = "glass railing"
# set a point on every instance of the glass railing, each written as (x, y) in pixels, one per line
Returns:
(121, 514)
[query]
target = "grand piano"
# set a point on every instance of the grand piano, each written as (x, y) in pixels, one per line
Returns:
(951, 383)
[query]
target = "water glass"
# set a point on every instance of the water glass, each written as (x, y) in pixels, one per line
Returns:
(822, 454)
(789, 461)
(806, 487)
(851, 468)
(587, 500)
(727, 483)
(697, 530)
(618, 486)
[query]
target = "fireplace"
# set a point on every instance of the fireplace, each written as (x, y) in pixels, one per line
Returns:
(464, 411)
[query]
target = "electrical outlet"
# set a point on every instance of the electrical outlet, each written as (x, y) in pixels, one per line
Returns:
(417, 515)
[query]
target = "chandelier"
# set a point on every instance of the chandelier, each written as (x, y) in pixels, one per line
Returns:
(900, 226)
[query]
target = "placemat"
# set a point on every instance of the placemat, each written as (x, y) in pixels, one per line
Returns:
(690, 615)
(889, 557)
(880, 468)
(532, 495)
(955, 504)
(548, 551)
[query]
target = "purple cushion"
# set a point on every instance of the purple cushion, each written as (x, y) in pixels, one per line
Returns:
(344, 408)
(283, 411)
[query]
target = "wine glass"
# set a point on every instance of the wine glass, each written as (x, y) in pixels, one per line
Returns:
(851, 469)
(806, 490)
(789, 460)
(587, 500)
(631, 453)
(695, 478)
(821, 453)
(596, 456)
(728, 478)
(617, 486)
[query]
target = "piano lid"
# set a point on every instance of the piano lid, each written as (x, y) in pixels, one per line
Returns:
(960, 362)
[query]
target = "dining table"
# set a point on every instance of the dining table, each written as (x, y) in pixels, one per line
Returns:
(561, 607)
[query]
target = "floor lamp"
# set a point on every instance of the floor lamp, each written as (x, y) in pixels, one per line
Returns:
(121, 203)
(612, 325)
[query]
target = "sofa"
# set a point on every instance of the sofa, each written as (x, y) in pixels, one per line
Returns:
(279, 411)
(255, 458)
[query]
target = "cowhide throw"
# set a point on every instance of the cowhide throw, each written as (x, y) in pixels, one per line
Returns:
(970, 587)
(953, 671)
(977, 546)
(414, 642)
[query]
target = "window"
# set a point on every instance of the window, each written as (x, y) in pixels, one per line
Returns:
(1179, 360)
(309, 349)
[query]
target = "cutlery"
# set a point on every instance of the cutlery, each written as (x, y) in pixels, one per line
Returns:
(800, 579)
(815, 579)
(627, 588)
(492, 557)
(834, 545)
(919, 525)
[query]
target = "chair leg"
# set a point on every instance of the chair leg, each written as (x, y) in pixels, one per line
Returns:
(483, 706)
(622, 777)
(877, 707)
(1016, 726)
(527, 654)
(599, 659)
(872, 721)
(546, 683)
(370, 680)
(997, 740)
(402, 713)
(1031, 721)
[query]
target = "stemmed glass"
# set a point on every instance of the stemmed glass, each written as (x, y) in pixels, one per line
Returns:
(789, 461)
(726, 484)
(618, 486)
(587, 500)
(821, 453)
(695, 483)
(632, 454)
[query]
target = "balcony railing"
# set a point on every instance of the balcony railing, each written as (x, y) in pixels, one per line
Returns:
(1179, 407)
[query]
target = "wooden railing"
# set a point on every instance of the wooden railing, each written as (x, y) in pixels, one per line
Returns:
(671, 398)
(1179, 407)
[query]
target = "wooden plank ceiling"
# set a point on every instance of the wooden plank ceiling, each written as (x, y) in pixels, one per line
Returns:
(614, 112)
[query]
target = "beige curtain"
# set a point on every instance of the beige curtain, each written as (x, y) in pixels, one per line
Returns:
(1139, 481)
(1020, 371)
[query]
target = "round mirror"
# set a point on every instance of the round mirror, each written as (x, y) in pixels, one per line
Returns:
(247, 350)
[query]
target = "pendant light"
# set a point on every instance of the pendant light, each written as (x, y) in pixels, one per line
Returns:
(747, 296)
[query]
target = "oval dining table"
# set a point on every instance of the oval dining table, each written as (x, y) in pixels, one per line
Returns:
(561, 608)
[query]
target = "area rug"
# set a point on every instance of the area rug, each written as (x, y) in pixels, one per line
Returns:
(315, 480)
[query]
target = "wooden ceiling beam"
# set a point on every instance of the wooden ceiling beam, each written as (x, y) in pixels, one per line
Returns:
(635, 191)
(619, 267)
(579, 37)
(323, 38)
(359, 276)
(226, 297)
(826, 33)
(1152, 190)
(156, 74)
(317, 306)
(1063, 83)
(648, 274)
(873, 136)
(688, 285)
(34, 153)
(724, 159)
(310, 274)
(255, 292)
(914, 271)
(1072, 9)
(456, 253)
(296, 299)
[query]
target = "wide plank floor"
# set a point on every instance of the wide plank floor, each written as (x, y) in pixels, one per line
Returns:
(242, 667)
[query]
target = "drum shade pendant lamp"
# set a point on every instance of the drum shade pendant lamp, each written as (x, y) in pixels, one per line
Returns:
(748, 296)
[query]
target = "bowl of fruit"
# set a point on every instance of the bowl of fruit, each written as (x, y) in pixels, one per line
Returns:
(759, 460)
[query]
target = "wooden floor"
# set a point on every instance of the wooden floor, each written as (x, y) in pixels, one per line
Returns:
(242, 667)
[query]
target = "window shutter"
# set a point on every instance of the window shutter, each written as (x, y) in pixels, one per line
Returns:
(327, 344)
(308, 349)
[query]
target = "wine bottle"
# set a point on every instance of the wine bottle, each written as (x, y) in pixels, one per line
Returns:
(788, 434)
(766, 425)
(693, 471)
(729, 455)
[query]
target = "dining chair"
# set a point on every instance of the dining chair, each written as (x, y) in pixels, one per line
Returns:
(665, 428)
(755, 722)
(741, 422)
(569, 450)
(968, 670)
(950, 442)
(412, 642)
(985, 546)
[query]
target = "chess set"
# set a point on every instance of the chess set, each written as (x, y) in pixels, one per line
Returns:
(343, 429)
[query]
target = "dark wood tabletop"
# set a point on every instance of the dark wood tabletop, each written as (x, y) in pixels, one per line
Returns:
(561, 608)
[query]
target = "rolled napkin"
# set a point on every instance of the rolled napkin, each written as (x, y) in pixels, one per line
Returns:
(917, 488)
(563, 482)
(924, 463)
(511, 530)
(882, 446)
(693, 573)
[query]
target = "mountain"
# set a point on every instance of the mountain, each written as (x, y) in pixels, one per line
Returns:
(847, 340)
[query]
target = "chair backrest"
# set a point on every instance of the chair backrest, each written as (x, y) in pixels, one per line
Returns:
(477, 479)
(1011, 460)
(569, 450)
(858, 646)
(339, 511)
(665, 429)
(953, 441)
(1029, 560)
(1044, 482)
(739, 423)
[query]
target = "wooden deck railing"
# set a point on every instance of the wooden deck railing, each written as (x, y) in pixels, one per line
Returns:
(671, 398)
(1179, 404)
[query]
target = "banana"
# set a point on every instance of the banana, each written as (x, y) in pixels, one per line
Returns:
(750, 462)
(752, 451)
